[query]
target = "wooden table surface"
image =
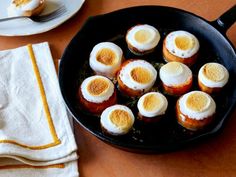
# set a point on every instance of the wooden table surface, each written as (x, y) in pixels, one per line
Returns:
(214, 158)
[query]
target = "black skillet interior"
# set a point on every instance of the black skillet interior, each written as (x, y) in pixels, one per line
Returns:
(167, 134)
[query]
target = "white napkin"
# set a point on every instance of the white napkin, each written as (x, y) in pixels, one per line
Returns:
(34, 126)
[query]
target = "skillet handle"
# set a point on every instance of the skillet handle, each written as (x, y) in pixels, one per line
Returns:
(226, 20)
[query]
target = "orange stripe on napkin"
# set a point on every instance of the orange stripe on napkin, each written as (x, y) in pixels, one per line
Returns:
(31, 147)
(23, 166)
(56, 140)
(42, 93)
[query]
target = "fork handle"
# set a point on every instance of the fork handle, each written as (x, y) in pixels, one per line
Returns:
(12, 18)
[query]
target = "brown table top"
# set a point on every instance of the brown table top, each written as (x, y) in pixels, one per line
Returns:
(216, 157)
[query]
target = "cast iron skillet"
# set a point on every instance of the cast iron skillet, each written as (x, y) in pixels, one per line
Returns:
(166, 135)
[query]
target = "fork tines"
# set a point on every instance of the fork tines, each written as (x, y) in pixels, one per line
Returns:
(51, 15)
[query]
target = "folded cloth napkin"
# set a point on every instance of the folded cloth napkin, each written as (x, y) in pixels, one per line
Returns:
(36, 138)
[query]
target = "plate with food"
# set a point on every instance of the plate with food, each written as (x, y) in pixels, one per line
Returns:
(150, 78)
(24, 27)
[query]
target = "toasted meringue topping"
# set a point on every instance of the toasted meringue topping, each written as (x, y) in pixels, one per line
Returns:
(214, 72)
(97, 89)
(184, 42)
(117, 119)
(120, 118)
(106, 56)
(105, 59)
(20, 7)
(152, 102)
(173, 68)
(97, 86)
(197, 102)
(142, 36)
(20, 2)
(213, 75)
(141, 75)
(138, 75)
(197, 105)
(175, 73)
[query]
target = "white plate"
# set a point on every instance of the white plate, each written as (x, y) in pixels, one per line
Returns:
(24, 27)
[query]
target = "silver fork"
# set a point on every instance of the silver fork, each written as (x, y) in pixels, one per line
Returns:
(41, 18)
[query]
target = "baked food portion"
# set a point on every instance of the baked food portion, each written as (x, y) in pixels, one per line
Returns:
(105, 59)
(96, 93)
(212, 77)
(142, 39)
(195, 110)
(181, 46)
(117, 120)
(136, 77)
(176, 78)
(25, 7)
(152, 106)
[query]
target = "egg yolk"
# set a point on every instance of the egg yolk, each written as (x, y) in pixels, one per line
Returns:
(97, 86)
(213, 72)
(120, 118)
(152, 102)
(183, 42)
(106, 56)
(197, 102)
(142, 36)
(141, 75)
